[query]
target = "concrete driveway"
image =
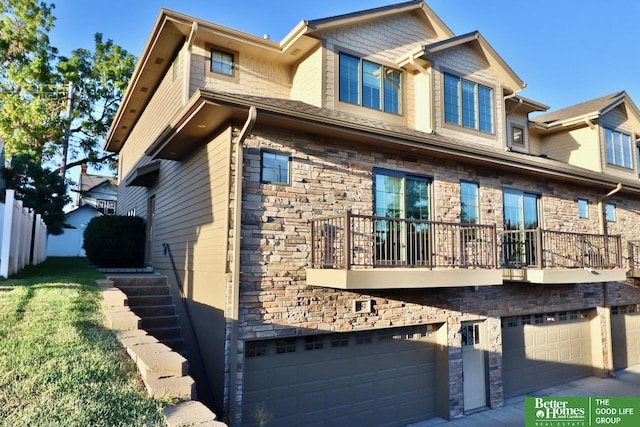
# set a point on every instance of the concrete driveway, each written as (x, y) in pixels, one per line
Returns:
(626, 383)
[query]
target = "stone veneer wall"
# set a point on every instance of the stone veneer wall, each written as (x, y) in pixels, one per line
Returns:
(330, 177)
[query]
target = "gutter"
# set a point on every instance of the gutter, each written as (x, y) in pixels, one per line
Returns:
(234, 311)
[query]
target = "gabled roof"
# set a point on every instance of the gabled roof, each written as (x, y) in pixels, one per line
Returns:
(508, 77)
(172, 29)
(440, 28)
(587, 111)
(219, 108)
(89, 182)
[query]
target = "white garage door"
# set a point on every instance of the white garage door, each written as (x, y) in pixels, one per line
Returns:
(543, 350)
(381, 378)
(625, 331)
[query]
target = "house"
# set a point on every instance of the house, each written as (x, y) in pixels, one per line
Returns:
(70, 242)
(99, 191)
(369, 222)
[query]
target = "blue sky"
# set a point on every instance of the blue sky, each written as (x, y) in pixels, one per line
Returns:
(567, 51)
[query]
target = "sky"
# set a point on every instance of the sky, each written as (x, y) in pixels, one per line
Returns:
(567, 51)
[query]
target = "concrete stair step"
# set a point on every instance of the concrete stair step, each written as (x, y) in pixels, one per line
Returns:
(152, 322)
(146, 290)
(176, 344)
(146, 300)
(165, 333)
(137, 279)
(182, 388)
(155, 310)
(161, 364)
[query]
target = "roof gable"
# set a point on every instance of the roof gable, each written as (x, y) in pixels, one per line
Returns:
(589, 110)
(438, 27)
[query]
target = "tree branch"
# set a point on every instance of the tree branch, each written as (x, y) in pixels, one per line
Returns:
(85, 160)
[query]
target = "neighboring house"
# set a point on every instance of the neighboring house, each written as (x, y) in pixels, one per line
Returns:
(368, 227)
(70, 242)
(99, 191)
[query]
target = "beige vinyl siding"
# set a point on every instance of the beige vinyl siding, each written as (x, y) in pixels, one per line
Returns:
(307, 78)
(578, 147)
(164, 104)
(255, 75)
(192, 216)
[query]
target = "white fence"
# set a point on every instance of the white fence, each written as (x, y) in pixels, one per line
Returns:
(20, 230)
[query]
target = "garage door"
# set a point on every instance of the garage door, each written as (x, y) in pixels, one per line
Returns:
(381, 378)
(543, 350)
(625, 331)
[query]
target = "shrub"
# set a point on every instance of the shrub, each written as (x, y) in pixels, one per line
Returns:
(115, 241)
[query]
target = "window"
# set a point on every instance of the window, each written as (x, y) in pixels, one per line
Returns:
(275, 168)
(468, 104)
(610, 210)
(470, 210)
(339, 341)
(618, 146)
(285, 345)
(638, 155)
(313, 343)
(369, 84)
(583, 208)
(222, 62)
(107, 207)
(255, 348)
(517, 136)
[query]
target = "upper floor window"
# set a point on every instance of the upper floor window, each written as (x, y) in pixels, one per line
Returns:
(221, 62)
(274, 168)
(618, 148)
(638, 154)
(369, 84)
(468, 104)
(470, 210)
(517, 136)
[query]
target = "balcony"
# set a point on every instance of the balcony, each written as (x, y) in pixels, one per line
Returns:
(371, 252)
(544, 256)
(634, 259)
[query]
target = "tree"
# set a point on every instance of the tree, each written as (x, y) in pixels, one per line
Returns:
(40, 189)
(33, 88)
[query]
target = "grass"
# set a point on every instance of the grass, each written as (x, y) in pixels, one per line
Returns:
(58, 365)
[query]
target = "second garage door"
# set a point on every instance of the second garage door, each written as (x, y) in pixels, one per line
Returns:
(625, 331)
(543, 350)
(382, 378)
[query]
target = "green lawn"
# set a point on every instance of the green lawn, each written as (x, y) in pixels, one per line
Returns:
(58, 365)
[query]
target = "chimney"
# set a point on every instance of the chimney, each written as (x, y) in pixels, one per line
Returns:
(83, 169)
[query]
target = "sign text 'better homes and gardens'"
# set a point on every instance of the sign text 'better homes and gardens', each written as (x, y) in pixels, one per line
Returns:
(582, 411)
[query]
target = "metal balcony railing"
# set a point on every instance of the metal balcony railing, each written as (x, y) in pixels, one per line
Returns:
(538, 248)
(365, 241)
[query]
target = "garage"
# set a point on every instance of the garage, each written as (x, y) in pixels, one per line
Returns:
(625, 335)
(384, 378)
(546, 349)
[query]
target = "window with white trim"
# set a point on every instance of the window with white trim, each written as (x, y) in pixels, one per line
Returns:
(468, 104)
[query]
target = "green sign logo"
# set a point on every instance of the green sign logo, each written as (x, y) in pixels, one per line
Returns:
(582, 411)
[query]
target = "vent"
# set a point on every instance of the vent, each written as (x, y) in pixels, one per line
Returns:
(158, 61)
(296, 51)
(144, 89)
(362, 306)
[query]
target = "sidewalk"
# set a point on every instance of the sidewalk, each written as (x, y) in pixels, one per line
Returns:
(626, 383)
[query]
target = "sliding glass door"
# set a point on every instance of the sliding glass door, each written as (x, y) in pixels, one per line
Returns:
(402, 197)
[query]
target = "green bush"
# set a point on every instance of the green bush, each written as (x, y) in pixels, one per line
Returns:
(115, 241)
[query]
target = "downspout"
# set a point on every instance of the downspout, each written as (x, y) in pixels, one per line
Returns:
(187, 63)
(608, 368)
(234, 311)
